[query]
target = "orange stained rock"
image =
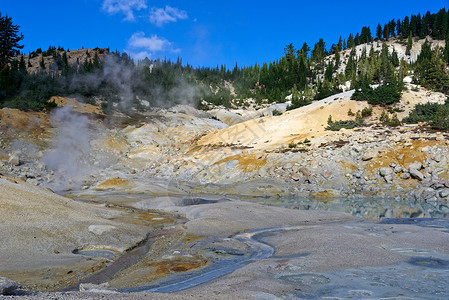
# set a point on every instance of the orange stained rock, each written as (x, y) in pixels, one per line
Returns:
(246, 162)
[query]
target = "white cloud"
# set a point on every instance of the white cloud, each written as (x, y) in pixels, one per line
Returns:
(139, 55)
(141, 46)
(126, 7)
(161, 16)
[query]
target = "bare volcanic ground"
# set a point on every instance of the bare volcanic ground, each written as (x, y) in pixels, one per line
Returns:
(310, 249)
(40, 231)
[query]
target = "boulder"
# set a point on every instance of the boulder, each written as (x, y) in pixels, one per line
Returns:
(368, 155)
(416, 174)
(14, 159)
(296, 177)
(263, 171)
(385, 171)
(7, 286)
(288, 166)
(415, 165)
(397, 169)
(96, 288)
(304, 171)
(387, 174)
(405, 175)
(444, 193)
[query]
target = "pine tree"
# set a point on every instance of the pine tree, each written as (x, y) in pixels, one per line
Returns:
(337, 58)
(350, 42)
(409, 44)
(405, 27)
(22, 65)
(386, 32)
(425, 25)
(319, 51)
(351, 65)
(379, 32)
(42, 62)
(357, 39)
(391, 27)
(394, 58)
(9, 40)
(446, 50)
(329, 71)
(365, 36)
(426, 53)
(340, 44)
(399, 28)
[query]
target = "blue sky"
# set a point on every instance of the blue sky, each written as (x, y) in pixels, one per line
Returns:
(202, 33)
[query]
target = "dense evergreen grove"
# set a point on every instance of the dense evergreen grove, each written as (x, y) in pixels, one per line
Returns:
(307, 73)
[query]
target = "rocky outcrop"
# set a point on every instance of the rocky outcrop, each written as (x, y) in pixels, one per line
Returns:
(8, 286)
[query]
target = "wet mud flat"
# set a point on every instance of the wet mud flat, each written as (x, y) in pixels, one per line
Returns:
(220, 246)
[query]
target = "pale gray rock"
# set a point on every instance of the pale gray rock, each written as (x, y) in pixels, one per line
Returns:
(444, 193)
(263, 171)
(389, 178)
(14, 159)
(96, 288)
(288, 166)
(416, 174)
(368, 155)
(385, 171)
(397, 169)
(405, 175)
(7, 286)
(415, 165)
(357, 174)
(437, 158)
(296, 177)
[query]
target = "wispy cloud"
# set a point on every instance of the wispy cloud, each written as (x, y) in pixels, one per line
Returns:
(161, 16)
(141, 46)
(127, 7)
(152, 43)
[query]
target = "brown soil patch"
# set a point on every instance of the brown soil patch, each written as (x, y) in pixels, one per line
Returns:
(80, 107)
(113, 183)
(348, 165)
(116, 144)
(144, 218)
(16, 124)
(324, 196)
(411, 152)
(177, 264)
(148, 270)
(246, 162)
(55, 278)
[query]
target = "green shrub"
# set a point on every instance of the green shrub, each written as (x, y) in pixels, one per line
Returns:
(441, 118)
(386, 120)
(383, 94)
(367, 111)
(347, 124)
(422, 113)
(297, 103)
(276, 112)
